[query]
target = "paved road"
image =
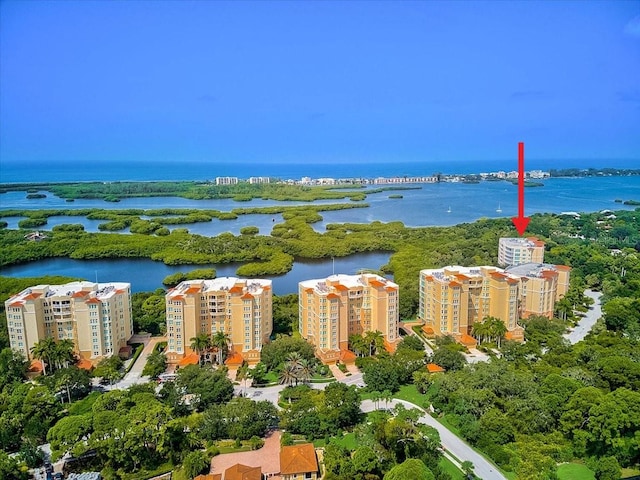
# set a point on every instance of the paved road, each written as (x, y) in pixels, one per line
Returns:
(585, 325)
(450, 442)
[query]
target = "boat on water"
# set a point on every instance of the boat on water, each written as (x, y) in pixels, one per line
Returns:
(499, 210)
(449, 210)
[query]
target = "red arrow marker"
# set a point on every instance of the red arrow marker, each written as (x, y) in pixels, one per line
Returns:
(520, 221)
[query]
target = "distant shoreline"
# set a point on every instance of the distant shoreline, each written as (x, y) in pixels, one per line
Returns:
(377, 180)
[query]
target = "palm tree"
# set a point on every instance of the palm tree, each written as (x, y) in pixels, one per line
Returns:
(480, 330)
(498, 330)
(357, 344)
(199, 344)
(44, 351)
(376, 396)
(63, 353)
(295, 359)
(386, 396)
(374, 340)
(221, 341)
(306, 369)
(243, 374)
(288, 375)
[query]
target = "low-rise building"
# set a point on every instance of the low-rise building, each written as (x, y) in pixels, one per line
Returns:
(299, 462)
(333, 308)
(95, 316)
(240, 308)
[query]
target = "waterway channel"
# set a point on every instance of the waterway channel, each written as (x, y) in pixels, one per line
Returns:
(147, 275)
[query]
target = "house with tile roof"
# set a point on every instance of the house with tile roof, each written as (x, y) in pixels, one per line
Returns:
(243, 472)
(299, 462)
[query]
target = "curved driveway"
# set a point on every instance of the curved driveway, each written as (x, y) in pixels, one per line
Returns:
(450, 442)
(585, 325)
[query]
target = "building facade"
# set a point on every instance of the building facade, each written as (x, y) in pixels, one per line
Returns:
(541, 286)
(333, 308)
(240, 308)
(453, 298)
(95, 316)
(516, 251)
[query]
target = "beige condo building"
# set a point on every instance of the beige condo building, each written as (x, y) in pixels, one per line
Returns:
(241, 308)
(95, 316)
(516, 251)
(541, 286)
(453, 298)
(333, 308)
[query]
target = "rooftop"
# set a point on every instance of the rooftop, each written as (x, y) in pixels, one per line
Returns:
(534, 270)
(298, 459)
(341, 281)
(77, 290)
(521, 242)
(222, 284)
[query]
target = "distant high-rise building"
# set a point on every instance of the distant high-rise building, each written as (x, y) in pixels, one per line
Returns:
(95, 316)
(226, 180)
(255, 180)
(515, 251)
(333, 308)
(240, 308)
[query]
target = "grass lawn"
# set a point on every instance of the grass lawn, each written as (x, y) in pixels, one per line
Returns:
(451, 469)
(348, 441)
(574, 471)
(630, 472)
(410, 394)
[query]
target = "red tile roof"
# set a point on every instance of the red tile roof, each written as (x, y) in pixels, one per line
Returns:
(192, 290)
(209, 476)
(234, 359)
(36, 366)
(93, 300)
(85, 364)
(298, 459)
(434, 368)
(80, 294)
(32, 296)
(235, 289)
(243, 472)
(191, 359)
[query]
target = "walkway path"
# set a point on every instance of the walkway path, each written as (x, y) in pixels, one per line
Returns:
(450, 442)
(585, 325)
(135, 374)
(267, 457)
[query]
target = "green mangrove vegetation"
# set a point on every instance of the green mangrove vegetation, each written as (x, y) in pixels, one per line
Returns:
(412, 248)
(242, 191)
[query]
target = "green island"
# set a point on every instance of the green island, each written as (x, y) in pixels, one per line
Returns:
(241, 192)
(542, 409)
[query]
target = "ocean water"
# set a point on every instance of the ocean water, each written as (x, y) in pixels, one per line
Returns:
(18, 172)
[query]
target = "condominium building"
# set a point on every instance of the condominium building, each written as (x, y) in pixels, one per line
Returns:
(333, 308)
(515, 251)
(255, 180)
(241, 308)
(226, 180)
(453, 298)
(95, 316)
(541, 286)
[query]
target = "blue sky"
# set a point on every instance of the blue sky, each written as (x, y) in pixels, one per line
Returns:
(318, 81)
